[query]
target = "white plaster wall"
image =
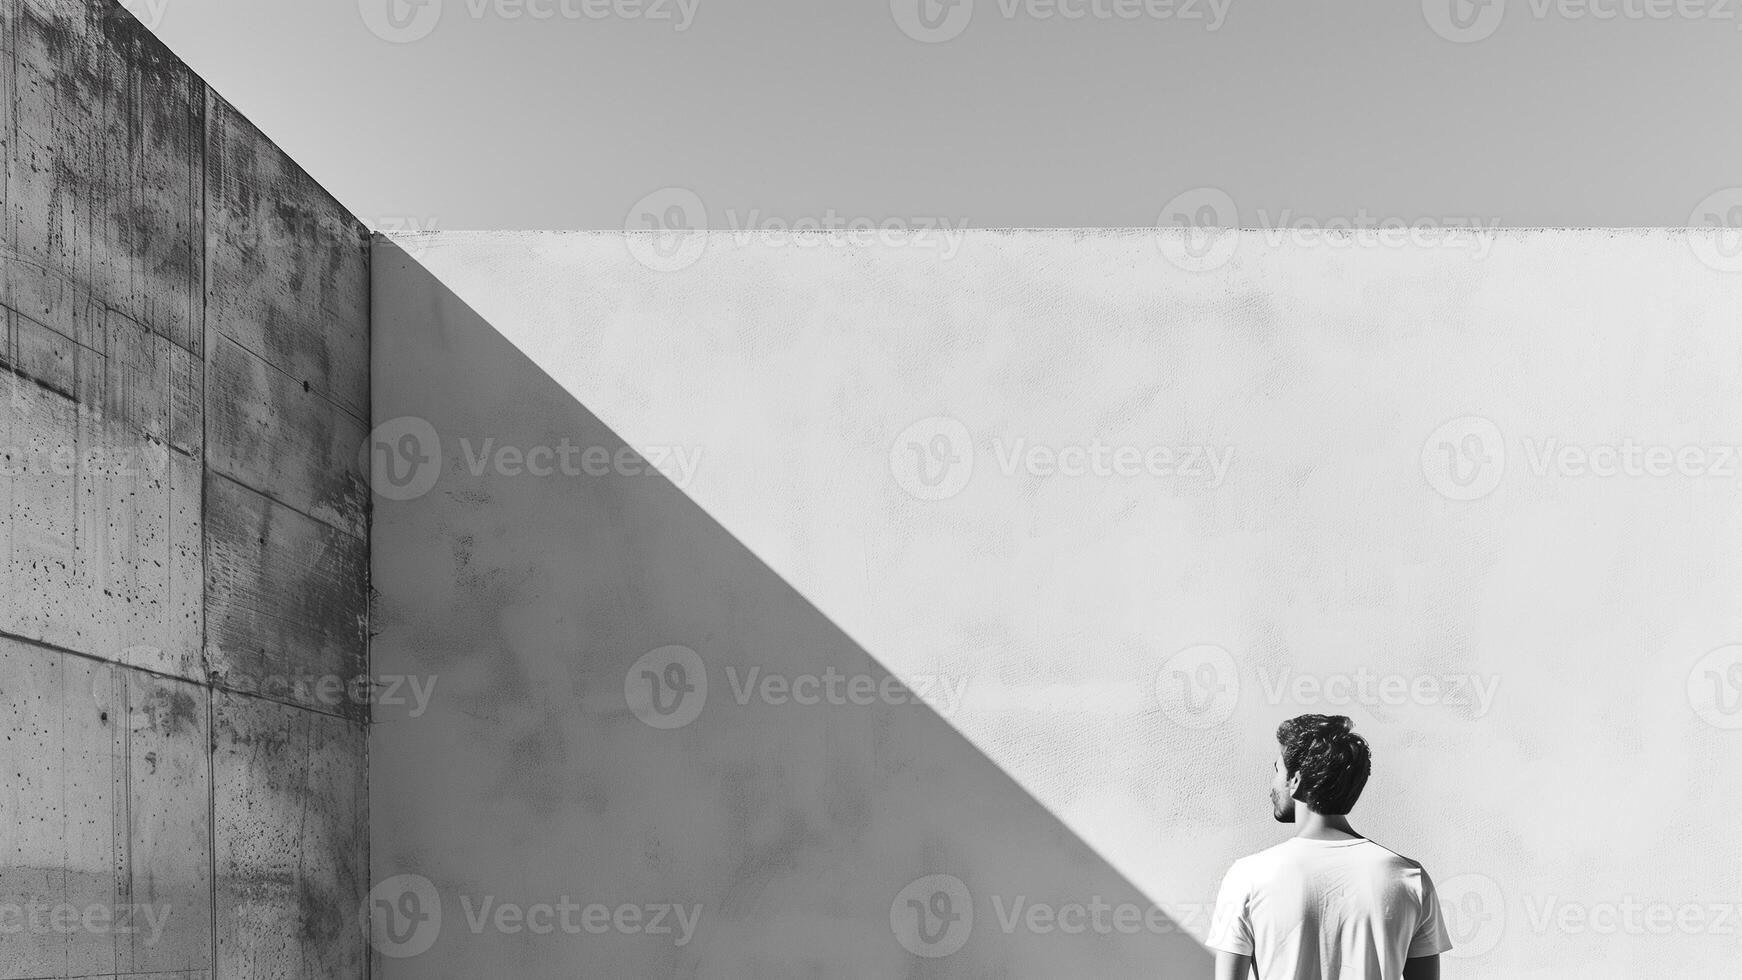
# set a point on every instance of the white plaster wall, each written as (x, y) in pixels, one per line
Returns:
(1580, 749)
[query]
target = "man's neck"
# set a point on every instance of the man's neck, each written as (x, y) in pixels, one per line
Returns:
(1323, 826)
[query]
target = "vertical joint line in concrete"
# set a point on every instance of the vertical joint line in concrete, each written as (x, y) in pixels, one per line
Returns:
(368, 606)
(121, 833)
(203, 272)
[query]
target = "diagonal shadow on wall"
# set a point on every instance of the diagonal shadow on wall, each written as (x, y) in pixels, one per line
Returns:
(614, 711)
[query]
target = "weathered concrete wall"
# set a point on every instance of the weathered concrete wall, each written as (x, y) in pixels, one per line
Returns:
(182, 523)
(1545, 618)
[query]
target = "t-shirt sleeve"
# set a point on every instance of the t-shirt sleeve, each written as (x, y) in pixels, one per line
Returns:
(1231, 922)
(1430, 932)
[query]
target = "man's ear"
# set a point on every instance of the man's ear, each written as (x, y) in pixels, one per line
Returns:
(1294, 786)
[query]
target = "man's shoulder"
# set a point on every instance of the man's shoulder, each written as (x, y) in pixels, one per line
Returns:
(1398, 858)
(1269, 856)
(1289, 852)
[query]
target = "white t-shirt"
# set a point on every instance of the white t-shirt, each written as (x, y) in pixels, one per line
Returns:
(1317, 909)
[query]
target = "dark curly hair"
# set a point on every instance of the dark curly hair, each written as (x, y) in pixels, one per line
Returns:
(1333, 761)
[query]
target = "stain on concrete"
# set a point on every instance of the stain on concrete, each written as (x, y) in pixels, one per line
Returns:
(290, 283)
(290, 840)
(174, 710)
(286, 596)
(270, 434)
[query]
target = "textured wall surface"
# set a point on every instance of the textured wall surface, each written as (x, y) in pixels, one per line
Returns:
(758, 842)
(182, 524)
(1117, 506)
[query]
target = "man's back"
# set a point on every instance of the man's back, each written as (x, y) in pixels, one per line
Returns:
(1309, 909)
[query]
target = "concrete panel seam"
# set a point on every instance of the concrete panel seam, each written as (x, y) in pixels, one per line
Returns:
(269, 495)
(306, 387)
(94, 658)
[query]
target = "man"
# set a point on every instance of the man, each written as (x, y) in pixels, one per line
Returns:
(1327, 904)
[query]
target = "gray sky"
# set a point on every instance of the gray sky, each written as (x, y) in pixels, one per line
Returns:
(988, 113)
